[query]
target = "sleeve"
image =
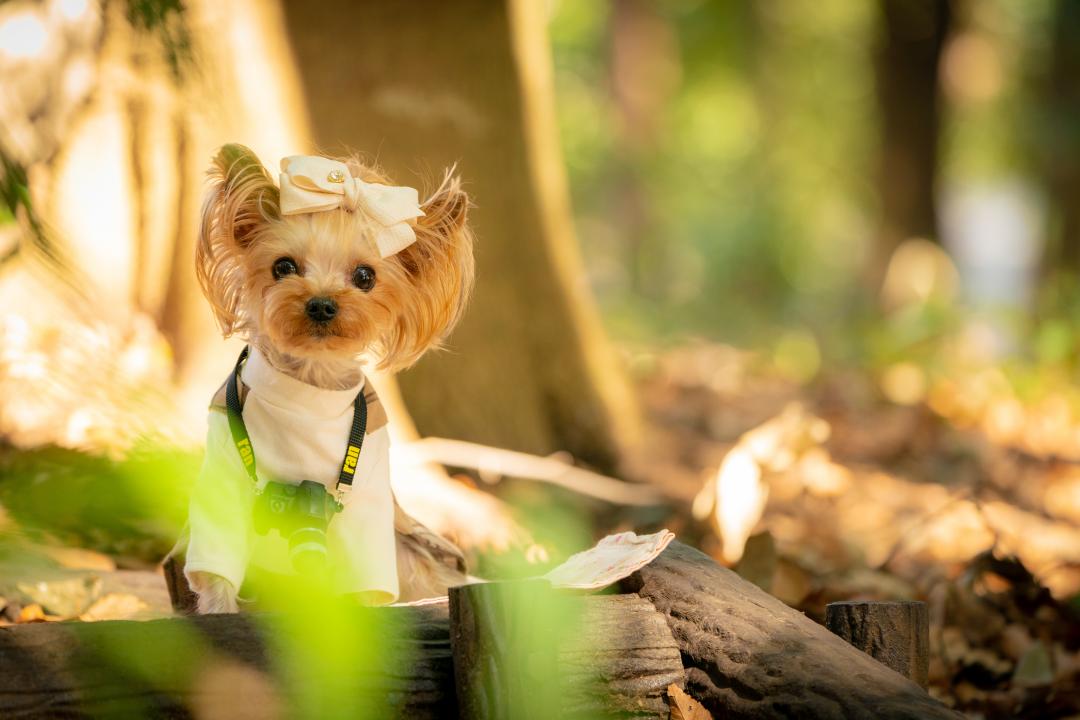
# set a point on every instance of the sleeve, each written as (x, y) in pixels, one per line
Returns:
(220, 509)
(361, 537)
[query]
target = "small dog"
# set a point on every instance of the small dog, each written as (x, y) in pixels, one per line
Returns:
(334, 264)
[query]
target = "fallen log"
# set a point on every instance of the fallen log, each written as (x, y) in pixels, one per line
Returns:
(623, 657)
(748, 655)
(208, 666)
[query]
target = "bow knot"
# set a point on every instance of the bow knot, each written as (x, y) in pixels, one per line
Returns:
(315, 184)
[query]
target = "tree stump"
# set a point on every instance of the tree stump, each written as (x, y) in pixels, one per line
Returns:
(896, 634)
(522, 650)
(748, 655)
(503, 638)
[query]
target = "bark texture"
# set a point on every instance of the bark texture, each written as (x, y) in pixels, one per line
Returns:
(204, 666)
(420, 86)
(896, 634)
(748, 655)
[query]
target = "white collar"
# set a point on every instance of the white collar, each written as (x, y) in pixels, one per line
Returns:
(274, 387)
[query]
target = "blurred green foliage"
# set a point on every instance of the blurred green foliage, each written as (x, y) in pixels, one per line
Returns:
(755, 174)
(733, 193)
(134, 507)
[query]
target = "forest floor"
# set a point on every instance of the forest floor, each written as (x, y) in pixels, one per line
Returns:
(965, 498)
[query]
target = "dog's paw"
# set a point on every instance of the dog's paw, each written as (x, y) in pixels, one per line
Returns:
(216, 594)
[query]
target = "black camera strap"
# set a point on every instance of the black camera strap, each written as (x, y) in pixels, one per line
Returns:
(234, 411)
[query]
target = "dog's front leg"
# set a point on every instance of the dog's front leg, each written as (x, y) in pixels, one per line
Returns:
(216, 594)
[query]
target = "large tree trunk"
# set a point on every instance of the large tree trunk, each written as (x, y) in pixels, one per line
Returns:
(420, 86)
(910, 107)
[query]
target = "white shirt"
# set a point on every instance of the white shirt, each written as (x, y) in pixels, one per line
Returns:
(298, 432)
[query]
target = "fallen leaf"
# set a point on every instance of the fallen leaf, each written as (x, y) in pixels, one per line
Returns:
(113, 606)
(791, 583)
(684, 707)
(31, 613)
(1015, 641)
(66, 596)
(1035, 667)
(80, 558)
(758, 563)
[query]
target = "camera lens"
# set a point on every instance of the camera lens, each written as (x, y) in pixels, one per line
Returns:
(307, 550)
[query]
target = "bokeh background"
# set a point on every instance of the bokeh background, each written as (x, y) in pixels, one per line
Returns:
(794, 279)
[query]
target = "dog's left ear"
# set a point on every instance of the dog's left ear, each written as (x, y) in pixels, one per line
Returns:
(240, 200)
(439, 267)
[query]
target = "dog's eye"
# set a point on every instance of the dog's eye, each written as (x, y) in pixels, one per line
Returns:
(284, 266)
(363, 277)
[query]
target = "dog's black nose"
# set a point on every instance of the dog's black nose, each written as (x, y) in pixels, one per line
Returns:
(321, 309)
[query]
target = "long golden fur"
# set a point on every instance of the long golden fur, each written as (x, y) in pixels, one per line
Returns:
(419, 295)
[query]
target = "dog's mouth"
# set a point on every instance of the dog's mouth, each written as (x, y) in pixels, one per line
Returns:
(322, 332)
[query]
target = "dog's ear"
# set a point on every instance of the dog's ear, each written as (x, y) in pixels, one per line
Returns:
(240, 201)
(439, 267)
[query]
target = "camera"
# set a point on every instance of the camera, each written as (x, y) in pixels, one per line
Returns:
(300, 513)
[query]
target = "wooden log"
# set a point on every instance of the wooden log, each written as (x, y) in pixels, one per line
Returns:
(896, 634)
(211, 666)
(227, 666)
(522, 650)
(748, 655)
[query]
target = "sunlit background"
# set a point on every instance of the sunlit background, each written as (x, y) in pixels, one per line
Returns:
(796, 280)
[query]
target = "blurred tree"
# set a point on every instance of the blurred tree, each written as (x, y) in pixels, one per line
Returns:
(133, 98)
(470, 82)
(644, 70)
(1059, 139)
(909, 97)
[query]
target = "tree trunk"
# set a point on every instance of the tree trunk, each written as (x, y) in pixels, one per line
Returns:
(420, 86)
(1058, 141)
(748, 655)
(910, 107)
(644, 72)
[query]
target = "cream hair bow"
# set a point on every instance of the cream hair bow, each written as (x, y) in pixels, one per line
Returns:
(313, 184)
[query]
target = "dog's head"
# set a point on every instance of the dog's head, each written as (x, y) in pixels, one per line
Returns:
(321, 284)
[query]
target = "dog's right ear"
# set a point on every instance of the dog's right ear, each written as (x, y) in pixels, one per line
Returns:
(241, 200)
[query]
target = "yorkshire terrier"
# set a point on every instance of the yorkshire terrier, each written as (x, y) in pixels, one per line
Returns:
(330, 268)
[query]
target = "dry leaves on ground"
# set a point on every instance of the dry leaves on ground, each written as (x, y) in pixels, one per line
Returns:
(684, 707)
